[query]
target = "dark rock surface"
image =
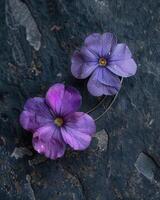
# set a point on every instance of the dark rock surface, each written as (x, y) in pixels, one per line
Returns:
(37, 39)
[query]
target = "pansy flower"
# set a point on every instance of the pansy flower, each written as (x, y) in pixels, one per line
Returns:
(55, 122)
(104, 61)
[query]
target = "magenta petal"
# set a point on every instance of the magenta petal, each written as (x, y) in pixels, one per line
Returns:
(63, 100)
(82, 122)
(54, 97)
(108, 42)
(71, 101)
(81, 69)
(123, 68)
(97, 88)
(48, 141)
(78, 130)
(35, 115)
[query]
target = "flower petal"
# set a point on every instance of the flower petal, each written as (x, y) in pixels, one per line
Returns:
(81, 69)
(93, 43)
(107, 77)
(108, 43)
(82, 122)
(120, 52)
(35, 115)
(123, 68)
(88, 55)
(78, 130)
(97, 88)
(48, 141)
(63, 100)
(100, 44)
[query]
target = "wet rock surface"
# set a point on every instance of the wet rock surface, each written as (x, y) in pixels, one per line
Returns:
(37, 39)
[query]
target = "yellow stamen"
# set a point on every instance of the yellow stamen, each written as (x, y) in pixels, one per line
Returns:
(102, 62)
(58, 121)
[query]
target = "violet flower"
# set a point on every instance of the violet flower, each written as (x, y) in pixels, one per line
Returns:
(106, 61)
(54, 122)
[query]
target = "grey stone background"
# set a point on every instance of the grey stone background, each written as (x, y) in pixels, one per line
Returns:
(37, 39)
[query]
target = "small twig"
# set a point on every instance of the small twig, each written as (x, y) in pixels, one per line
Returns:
(96, 106)
(110, 105)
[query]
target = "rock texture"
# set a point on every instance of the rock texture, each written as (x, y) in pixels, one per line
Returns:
(37, 39)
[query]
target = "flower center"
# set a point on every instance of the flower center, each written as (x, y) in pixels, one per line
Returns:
(102, 62)
(58, 121)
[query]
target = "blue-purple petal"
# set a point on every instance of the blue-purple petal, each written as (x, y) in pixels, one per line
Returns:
(97, 88)
(123, 68)
(93, 43)
(108, 43)
(106, 77)
(99, 44)
(81, 69)
(121, 62)
(88, 55)
(120, 52)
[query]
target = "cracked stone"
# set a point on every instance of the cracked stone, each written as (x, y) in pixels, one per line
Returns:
(20, 152)
(146, 166)
(102, 138)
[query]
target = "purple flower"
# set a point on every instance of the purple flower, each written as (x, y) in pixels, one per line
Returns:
(106, 61)
(54, 122)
